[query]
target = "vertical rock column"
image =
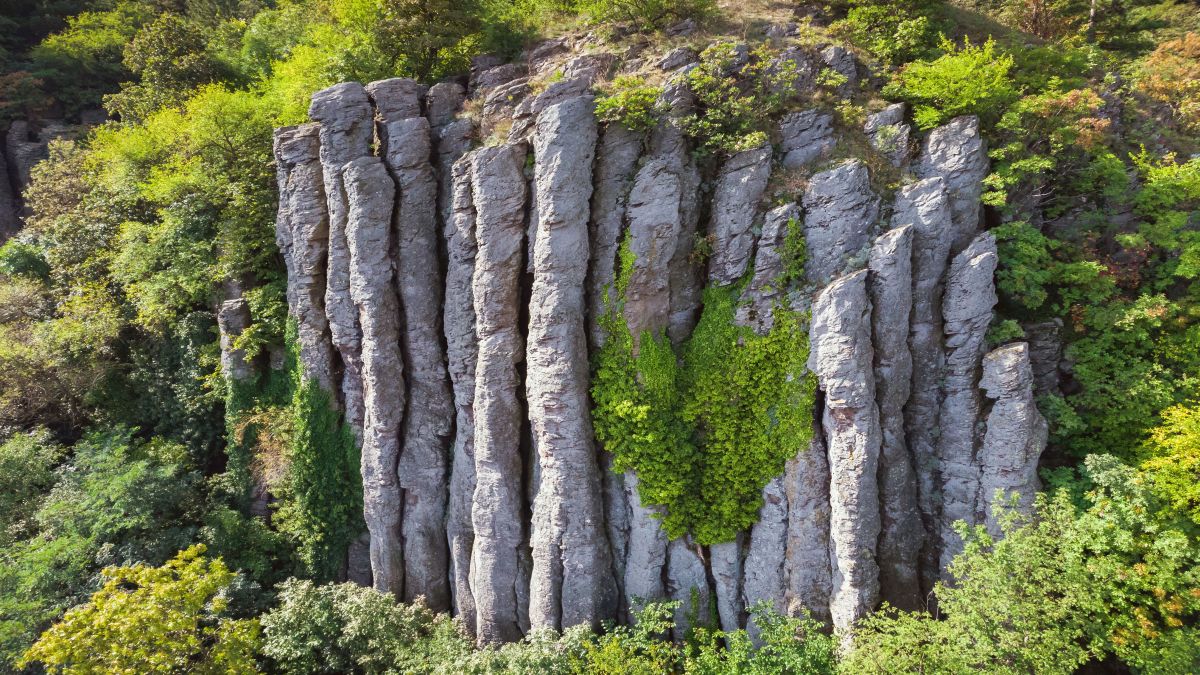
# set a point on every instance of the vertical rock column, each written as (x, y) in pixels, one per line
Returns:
(967, 307)
(498, 186)
(302, 233)
(344, 113)
(616, 161)
(1016, 433)
(891, 301)
(842, 358)
(461, 352)
(955, 152)
(925, 206)
(423, 467)
(572, 579)
(735, 200)
(840, 210)
(807, 566)
(370, 196)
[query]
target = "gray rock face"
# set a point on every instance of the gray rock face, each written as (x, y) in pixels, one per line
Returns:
(646, 550)
(654, 224)
(500, 102)
(528, 110)
(345, 117)
(967, 307)
(757, 305)
(805, 136)
(395, 98)
(423, 466)
(925, 206)
(808, 569)
(842, 358)
(452, 141)
(839, 211)
(233, 318)
(23, 148)
(841, 60)
(486, 80)
(739, 188)
(1016, 433)
(1045, 355)
(889, 134)
(902, 533)
(687, 583)
(956, 152)
(725, 562)
(302, 233)
(677, 58)
(616, 161)
(370, 196)
(461, 352)
(498, 186)
(571, 582)
(763, 577)
(442, 103)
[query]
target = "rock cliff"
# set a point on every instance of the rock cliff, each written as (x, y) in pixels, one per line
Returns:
(453, 297)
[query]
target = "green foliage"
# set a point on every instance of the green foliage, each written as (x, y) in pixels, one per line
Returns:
(967, 80)
(153, 620)
(785, 645)
(737, 94)
(1115, 575)
(1029, 273)
(1173, 460)
(27, 464)
(1003, 332)
(632, 103)
(18, 258)
(894, 33)
(648, 14)
(707, 429)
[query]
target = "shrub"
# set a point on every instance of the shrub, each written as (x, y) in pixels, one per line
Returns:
(649, 14)
(894, 33)
(632, 103)
(1171, 75)
(966, 80)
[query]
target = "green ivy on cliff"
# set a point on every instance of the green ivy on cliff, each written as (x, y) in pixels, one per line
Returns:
(707, 431)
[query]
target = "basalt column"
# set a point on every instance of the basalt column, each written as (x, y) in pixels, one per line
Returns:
(461, 352)
(967, 307)
(841, 356)
(572, 579)
(370, 195)
(344, 113)
(891, 302)
(499, 189)
(423, 468)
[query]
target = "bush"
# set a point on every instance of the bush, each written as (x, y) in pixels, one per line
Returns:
(894, 33)
(632, 103)
(966, 80)
(648, 14)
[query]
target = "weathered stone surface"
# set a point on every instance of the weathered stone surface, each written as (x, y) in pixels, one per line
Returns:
(1045, 355)
(839, 211)
(925, 206)
(499, 189)
(423, 466)
(233, 318)
(891, 288)
(1016, 433)
(571, 582)
(646, 553)
(528, 110)
(725, 562)
(345, 117)
(23, 148)
(739, 187)
(763, 576)
(805, 136)
(654, 224)
(956, 152)
(841, 60)
(808, 575)
(370, 196)
(677, 58)
(616, 160)
(499, 104)
(452, 141)
(461, 353)
(842, 358)
(484, 81)
(395, 98)
(757, 305)
(889, 134)
(302, 233)
(589, 66)
(442, 103)
(687, 583)
(967, 308)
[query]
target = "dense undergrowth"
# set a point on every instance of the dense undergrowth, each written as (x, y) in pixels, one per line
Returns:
(123, 445)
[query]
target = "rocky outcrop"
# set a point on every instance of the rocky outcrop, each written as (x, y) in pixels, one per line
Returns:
(370, 194)
(956, 153)
(839, 211)
(499, 189)
(1045, 355)
(725, 563)
(461, 353)
(891, 288)
(233, 318)
(738, 189)
(571, 582)
(764, 577)
(406, 147)
(765, 290)
(302, 233)
(841, 356)
(616, 160)
(808, 564)
(344, 114)
(687, 584)
(1015, 437)
(967, 307)
(654, 225)
(889, 134)
(805, 137)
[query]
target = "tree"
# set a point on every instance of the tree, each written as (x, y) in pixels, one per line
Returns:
(167, 619)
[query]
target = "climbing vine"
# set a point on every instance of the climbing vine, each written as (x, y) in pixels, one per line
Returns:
(706, 429)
